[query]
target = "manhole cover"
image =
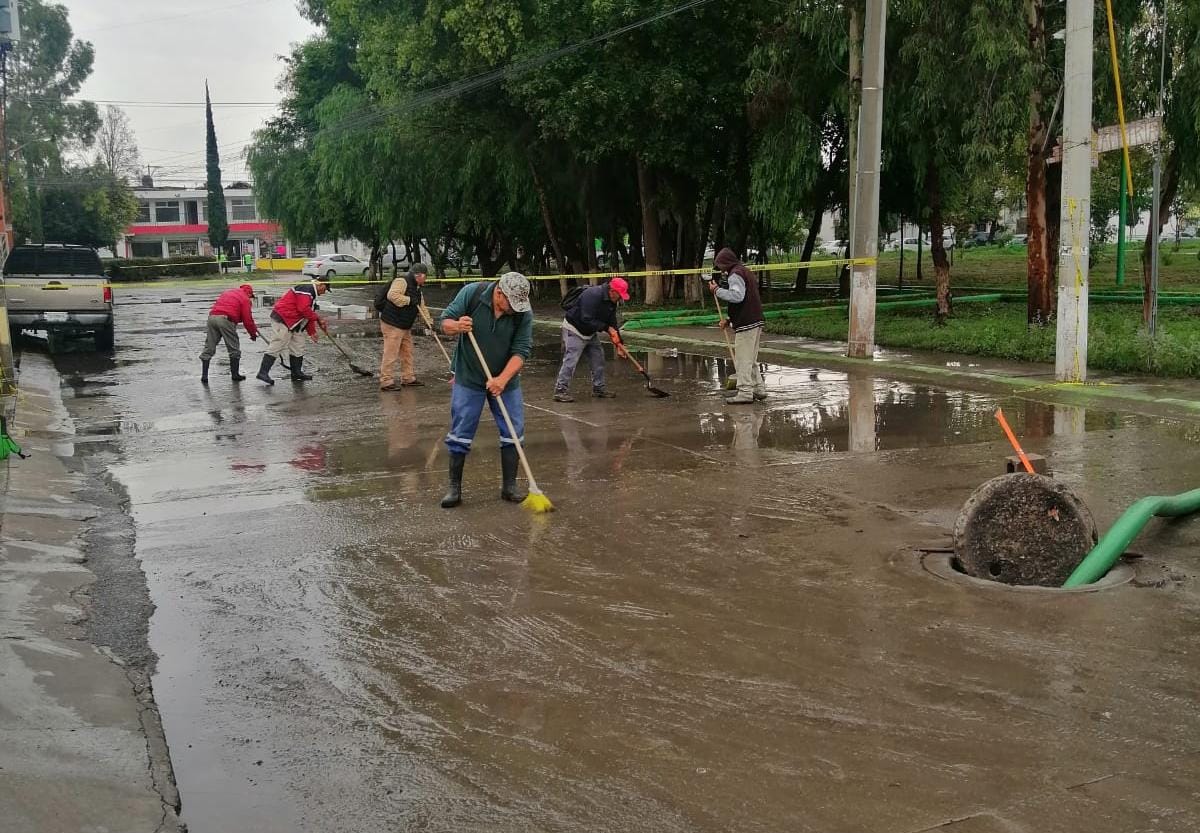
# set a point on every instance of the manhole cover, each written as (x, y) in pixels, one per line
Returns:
(1023, 529)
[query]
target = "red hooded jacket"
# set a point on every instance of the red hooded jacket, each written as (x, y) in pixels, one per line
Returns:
(296, 308)
(234, 304)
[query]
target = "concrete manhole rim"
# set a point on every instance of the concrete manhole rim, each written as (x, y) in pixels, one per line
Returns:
(941, 564)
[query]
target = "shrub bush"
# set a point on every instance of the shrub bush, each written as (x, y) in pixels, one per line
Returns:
(124, 270)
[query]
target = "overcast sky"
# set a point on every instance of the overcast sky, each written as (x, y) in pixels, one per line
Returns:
(162, 51)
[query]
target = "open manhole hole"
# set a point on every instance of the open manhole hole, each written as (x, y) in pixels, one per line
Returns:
(945, 565)
(1022, 532)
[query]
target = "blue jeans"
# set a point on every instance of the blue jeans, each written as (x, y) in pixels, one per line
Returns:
(466, 406)
(573, 347)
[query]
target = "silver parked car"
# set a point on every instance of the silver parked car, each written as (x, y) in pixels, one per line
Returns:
(335, 266)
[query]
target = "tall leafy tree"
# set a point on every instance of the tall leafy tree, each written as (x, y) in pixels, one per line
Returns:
(43, 124)
(86, 206)
(218, 225)
(951, 124)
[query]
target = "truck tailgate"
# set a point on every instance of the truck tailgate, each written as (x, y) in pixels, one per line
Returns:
(55, 294)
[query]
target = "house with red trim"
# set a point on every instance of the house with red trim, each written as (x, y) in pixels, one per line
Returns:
(173, 222)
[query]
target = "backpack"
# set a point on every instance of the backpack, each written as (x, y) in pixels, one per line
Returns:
(572, 297)
(381, 295)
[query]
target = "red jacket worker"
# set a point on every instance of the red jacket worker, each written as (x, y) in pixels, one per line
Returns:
(232, 308)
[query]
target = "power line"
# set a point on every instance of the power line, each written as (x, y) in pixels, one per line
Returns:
(160, 104)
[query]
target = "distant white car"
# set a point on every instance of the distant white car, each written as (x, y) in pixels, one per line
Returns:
(910, 243)
(335, 266)
(833, 248)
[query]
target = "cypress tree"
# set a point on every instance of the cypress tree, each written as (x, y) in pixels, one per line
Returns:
(218, 226)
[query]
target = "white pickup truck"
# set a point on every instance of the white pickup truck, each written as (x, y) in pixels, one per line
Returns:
(59, 289)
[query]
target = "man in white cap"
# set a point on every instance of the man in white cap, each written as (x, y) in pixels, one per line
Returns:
(501, 317)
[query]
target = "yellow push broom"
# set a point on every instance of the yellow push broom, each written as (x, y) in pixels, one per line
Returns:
(536, 501)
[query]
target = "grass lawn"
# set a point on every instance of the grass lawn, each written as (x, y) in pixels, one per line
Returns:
(1004, 267)
(1116, 340)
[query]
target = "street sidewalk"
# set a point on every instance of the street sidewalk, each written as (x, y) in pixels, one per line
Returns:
(82, 743)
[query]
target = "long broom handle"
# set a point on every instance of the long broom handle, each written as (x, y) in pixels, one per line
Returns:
(432, 329)
(512, 432)
(724, 332)
(339, 347)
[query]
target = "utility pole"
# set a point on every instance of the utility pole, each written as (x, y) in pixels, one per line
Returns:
(866, 212)
(1150, 305)
(1072, 335)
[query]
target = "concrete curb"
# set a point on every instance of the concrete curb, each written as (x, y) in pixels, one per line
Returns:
(84, 746)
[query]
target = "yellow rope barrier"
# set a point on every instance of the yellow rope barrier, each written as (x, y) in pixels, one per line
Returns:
(769, 267)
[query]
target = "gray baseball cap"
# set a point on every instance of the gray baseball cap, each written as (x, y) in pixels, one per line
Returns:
(515, 287)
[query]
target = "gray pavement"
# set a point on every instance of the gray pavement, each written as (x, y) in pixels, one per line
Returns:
(725, 626)
(82, 746)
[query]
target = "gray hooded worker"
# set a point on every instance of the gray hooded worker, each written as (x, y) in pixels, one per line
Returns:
(746, 319)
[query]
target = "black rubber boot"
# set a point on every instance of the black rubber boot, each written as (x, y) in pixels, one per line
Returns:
(264, 372)
(204, 371)
(235, 365)
(298, 374)
(454, 492)
(509, 460)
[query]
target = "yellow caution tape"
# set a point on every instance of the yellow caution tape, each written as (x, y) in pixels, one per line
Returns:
(598, 276)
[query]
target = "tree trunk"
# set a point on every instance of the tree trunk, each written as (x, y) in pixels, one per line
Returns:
(648, 195)
(719, 215)
(375, 262)
(855, 95)
(937, 245)
(1170, 187)
(589, 232)
(810, 243)
(691, 251)
(920, 253)
(548, 221)
(489, 266)
(1039, 253)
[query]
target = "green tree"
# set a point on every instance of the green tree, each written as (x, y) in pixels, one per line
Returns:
(45, 70)
(218, 225)
(86, 206)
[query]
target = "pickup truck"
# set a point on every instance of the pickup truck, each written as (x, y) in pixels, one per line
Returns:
(60, 289)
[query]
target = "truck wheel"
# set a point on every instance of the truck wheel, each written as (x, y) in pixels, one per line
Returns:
(104, 338)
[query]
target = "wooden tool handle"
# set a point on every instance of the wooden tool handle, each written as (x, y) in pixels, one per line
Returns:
(512, 432)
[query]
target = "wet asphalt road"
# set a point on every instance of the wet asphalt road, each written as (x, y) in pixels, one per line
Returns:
(719, 629)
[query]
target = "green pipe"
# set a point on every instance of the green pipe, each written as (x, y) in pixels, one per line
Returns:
(1112, 546)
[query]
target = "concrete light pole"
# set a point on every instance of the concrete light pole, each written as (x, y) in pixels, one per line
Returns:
(1072, 334)
(866, 210)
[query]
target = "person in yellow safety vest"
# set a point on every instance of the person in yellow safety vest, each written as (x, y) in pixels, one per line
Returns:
(248, 261)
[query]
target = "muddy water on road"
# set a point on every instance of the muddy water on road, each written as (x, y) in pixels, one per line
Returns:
(713, 632)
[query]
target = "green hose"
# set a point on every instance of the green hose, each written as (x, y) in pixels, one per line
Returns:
(1112, 546)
